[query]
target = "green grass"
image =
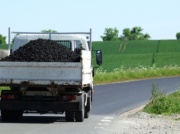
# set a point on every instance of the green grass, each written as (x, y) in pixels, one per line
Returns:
(130, 47)
(141, 47)
(111, 62)
(3, 46)
(108, 47)
(163, 104)
(167, 59)
(123, 74)
(169, 46)
(132, 54)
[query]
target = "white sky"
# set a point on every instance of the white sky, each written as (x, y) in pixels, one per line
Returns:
(159, 18)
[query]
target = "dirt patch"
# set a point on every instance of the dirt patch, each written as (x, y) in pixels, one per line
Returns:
(138, 122)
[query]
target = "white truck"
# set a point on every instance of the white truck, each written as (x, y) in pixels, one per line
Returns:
(49, 87)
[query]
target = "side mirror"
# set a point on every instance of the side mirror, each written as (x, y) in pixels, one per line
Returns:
(99, 57)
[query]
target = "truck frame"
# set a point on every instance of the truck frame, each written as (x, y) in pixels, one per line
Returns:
(49, 87)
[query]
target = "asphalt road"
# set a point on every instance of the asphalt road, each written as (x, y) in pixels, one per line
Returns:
(109, 101)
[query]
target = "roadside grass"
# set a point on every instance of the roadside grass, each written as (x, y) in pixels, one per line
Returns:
(161, 103)
(123, 74)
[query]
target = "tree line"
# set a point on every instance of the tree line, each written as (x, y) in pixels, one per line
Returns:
(110, 34)
(128, 34)
(2, 39)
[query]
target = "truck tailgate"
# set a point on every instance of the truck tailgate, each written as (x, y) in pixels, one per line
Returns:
(41, 73)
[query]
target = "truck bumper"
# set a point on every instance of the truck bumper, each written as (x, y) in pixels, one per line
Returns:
(40, 106)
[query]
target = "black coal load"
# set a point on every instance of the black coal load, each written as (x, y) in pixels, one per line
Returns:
(43, 50)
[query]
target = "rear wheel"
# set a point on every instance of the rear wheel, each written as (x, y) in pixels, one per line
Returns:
(87, 108)
(17, 115)
(5, 115)
(11, 115)
(79, 116)
(86, 114)
(69, 116)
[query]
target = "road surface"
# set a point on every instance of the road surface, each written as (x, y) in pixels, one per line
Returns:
(109, 101)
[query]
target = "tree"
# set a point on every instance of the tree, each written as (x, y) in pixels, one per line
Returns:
(2, 39)
(178, 36)
(110, 34)
(134, 34)
(49, 31)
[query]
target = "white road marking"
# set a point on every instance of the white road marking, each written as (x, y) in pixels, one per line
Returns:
(109, 118)
(103, 120)
(103, 124)
(97, 127)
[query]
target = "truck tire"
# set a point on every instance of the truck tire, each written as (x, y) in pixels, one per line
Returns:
(5, 115)
(69, 116)
(11, 115)
(86, 114)
(79, 116)
(87, 108)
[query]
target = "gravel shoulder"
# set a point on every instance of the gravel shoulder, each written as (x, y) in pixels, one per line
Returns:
(138, 122)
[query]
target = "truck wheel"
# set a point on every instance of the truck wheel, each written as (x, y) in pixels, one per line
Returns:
(86, 114)
(17, 115)
(11, 115)
(87, 108)
(79, 116)
(69, 116)
(5, 115)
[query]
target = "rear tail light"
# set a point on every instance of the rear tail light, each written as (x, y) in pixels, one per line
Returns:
(67, 98)
(9, 97)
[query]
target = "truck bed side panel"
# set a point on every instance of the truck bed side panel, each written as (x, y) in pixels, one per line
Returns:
(87, 67)
(40, 73)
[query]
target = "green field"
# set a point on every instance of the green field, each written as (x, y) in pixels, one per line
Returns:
(130, 54)
(3, 46)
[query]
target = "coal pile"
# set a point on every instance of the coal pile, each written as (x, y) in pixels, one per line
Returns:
(42, 50)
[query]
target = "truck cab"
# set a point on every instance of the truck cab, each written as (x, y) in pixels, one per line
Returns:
(71, 41)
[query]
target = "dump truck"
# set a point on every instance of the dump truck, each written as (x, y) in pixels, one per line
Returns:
(49, 87)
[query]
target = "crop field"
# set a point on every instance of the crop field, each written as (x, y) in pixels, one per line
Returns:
(131, 54)
(3, 46)
(169, 46)
(114, 61)
(146, 53)
(165, 59)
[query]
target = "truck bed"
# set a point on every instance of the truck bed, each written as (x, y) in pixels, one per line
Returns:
(40, 73)
(47, 73)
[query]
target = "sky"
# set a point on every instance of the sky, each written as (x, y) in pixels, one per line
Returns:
(159, 18)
